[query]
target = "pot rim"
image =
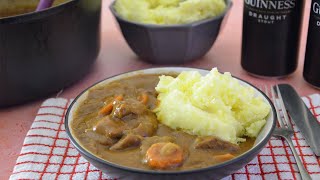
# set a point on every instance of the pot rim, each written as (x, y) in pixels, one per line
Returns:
(21, 18)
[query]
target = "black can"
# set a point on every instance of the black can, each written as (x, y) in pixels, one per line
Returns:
(311, 72)
(271, 35)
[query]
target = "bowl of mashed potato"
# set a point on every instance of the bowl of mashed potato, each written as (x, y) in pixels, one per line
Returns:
(170, 31)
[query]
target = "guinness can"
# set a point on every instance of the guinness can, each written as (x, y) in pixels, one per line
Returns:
(311, 72)
(270, 37)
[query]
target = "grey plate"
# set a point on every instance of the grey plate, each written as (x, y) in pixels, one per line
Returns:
(212, 172)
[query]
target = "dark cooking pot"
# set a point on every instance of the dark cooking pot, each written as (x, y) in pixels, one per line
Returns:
(43, 52)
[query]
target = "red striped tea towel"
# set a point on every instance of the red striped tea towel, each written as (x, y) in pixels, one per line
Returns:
(48, 154)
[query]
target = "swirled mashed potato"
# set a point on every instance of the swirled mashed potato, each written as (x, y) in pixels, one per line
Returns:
(212, 105)
(168, 11)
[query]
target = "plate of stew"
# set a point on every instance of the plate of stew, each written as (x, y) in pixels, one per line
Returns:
(114, 126)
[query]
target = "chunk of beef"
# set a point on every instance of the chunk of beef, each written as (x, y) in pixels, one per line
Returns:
(147, 125)
(215, 144)
(111, 128)
(120, 110)
(101, 139)
(127, 142)
(123, 108)
(144, 129)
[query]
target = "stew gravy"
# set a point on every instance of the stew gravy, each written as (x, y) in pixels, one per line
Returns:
(198, 152)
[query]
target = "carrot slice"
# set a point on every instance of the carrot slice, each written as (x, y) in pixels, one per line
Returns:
(144, 98)
(164, 155)
(119, 97)
(224, 157)
(107, 109)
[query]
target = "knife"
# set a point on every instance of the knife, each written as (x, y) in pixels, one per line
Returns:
(302, 117)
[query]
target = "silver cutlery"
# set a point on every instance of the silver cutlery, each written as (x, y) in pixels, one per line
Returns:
(285, 130)
(302, 117)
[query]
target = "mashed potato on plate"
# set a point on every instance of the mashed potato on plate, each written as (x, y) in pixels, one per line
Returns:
(168, 11)
(212, 105)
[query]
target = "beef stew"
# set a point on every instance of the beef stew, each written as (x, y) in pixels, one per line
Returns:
(116, 123)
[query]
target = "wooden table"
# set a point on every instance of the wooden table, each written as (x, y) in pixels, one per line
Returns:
(116, 57)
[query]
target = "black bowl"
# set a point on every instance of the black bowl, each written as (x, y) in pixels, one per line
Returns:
(211, 172)
(171, 44)
(43, 52)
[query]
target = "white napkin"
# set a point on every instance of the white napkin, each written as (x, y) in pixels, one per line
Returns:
(48, 154)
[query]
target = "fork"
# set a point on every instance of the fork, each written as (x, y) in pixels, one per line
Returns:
(285, 130)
